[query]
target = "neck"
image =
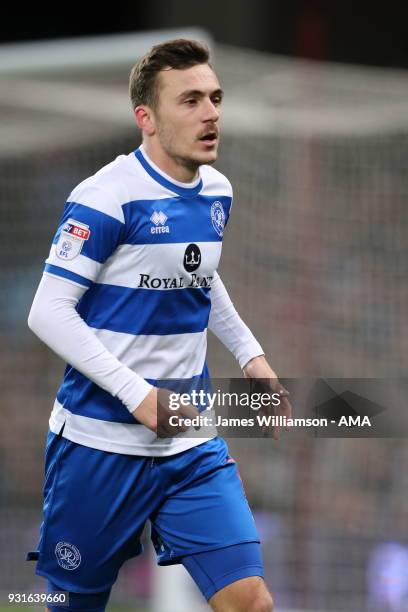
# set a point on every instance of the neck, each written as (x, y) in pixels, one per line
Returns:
(176, 169)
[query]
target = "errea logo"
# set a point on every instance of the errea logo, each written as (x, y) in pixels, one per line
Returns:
(159, 219)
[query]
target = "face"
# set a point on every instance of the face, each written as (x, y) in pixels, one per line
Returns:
(187, 115)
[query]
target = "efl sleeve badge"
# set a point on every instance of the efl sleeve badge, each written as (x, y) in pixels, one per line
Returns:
(71, 240)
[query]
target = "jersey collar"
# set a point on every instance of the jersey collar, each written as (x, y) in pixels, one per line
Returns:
(164, 179)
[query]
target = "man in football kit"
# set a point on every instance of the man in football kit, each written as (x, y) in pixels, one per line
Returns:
(128, 292)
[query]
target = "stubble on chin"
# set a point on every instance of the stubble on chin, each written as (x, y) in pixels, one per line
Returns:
(188, 161)
(169, 144)
(193, 163)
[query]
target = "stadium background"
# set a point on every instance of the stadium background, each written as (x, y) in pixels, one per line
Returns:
(315, 258)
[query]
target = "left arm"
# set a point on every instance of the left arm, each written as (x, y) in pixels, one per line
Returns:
(228, 326)
(231, 330)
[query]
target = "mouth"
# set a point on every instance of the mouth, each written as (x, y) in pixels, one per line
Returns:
(209, 138)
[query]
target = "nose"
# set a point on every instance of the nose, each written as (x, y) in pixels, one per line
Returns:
(211, 111)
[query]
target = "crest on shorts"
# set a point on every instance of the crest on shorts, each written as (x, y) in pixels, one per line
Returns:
(68, 556)
(218, 217)
(71, 240)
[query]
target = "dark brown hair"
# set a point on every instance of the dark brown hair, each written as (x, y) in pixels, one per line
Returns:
(179, 53)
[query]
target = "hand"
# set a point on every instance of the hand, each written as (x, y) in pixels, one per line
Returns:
(154, 413)
(259, 368)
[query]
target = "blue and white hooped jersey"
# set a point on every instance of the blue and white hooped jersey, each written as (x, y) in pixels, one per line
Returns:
(146, 247)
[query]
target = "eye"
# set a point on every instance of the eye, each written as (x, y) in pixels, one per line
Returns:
(190, 101)
(216, 100)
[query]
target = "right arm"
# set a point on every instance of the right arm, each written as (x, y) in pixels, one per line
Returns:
(71, 268)
(54, 319)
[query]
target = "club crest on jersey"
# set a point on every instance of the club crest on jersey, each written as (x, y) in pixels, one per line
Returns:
(68, 556)
(218, 217)
(159, 219)
(71, 240)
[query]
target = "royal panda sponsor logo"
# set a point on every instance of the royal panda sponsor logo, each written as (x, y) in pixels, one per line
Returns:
(192, 258)
(146, 281)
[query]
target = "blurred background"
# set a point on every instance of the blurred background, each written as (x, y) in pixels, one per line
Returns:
(315, 142)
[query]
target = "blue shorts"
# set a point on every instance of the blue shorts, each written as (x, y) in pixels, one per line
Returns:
(96, 505)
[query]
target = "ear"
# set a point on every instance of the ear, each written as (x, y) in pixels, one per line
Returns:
(144, 119)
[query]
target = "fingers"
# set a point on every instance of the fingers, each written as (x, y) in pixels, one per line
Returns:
(268, 384)
(181, 419)
(169, 423)
(189, 411)
(173, 421)
(167, 428)
(283, 409)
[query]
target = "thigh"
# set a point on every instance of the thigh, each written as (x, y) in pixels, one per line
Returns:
(245, 595)
(75, 602)
(206, 507)
(216, 569)
(95, 506)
